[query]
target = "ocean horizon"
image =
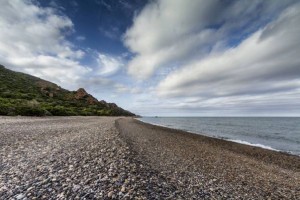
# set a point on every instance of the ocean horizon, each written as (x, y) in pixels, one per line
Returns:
(273, 133)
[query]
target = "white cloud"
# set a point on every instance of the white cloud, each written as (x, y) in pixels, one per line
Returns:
(262, 72)
(109, 65)
(266, 61)
(257, 75)
(59, 70)
(280, 104)
(33, 39)
(109, 86)
(173, 32)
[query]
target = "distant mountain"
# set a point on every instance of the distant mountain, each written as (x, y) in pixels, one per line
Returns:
(23, 94)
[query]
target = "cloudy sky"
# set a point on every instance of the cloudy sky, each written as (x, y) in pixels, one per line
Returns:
(162, 57)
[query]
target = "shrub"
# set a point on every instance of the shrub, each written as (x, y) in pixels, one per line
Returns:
(30, 111)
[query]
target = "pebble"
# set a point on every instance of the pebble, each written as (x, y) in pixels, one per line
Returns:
(87, 158)
(110, 194)
(20, 196)
(123, 189)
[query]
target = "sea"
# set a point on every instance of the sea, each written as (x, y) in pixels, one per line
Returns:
(274, 133)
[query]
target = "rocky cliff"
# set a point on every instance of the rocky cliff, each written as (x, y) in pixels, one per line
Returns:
(23, 94)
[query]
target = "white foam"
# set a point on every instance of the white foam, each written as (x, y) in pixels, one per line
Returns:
(251, 144)
(232, 140)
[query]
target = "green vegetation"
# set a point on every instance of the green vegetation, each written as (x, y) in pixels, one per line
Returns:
(22, 94)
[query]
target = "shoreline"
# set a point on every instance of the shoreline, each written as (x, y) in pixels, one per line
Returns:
(258, 152)
(262, 146)
(219, 168)
(123, 158)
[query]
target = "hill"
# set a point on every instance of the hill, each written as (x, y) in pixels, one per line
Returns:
(23, 94)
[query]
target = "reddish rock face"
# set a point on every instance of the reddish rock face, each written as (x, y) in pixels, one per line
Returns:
(91, 100)
(82, 94)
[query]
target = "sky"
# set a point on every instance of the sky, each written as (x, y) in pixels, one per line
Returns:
(162, 57)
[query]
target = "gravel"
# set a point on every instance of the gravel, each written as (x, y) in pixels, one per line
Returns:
(208, 168)
(113, 158)
(73, 158)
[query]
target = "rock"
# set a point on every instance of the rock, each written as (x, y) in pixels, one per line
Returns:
(102, 167)
(76, 188)
(82, 94)
(110, 194)
(20, 196)
(123, 189)
(61, 195)
(4, 188)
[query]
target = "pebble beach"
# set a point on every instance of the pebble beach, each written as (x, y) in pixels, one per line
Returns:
(123, 158)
